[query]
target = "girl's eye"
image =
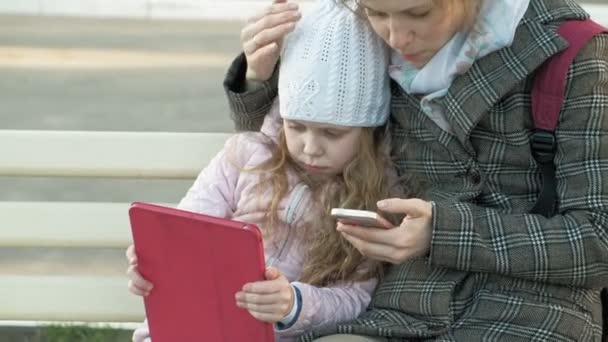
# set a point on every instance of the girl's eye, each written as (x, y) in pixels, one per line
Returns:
(333, 134)
(298, 128)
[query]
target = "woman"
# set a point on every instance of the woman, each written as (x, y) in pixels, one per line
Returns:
(470, 261)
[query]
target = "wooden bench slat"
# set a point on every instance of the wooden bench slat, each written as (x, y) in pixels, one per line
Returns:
(107, 154)
(65, 224)
(66, 298)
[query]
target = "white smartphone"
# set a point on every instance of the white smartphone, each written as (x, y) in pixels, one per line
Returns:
(363, 218)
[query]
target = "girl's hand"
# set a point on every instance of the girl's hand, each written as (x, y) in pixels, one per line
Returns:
(412, 238)
(268, 301)
(138, 285)
(263, 36)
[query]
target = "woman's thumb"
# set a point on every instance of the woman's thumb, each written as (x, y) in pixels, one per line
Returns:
(411, 207)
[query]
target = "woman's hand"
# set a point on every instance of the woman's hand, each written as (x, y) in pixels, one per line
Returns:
(263, 36)
(138, 285)
(268, 301)
(412, 238)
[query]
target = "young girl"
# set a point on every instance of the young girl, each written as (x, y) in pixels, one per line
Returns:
(327, 149)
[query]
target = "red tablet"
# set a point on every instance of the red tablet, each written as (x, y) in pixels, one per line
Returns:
(197, 263)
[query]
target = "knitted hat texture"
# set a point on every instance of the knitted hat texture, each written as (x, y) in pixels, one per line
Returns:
(334, 69)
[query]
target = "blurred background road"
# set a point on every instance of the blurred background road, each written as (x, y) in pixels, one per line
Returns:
(89, 73)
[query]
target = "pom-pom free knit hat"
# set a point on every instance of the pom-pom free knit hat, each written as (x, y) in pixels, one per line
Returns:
(334, 69)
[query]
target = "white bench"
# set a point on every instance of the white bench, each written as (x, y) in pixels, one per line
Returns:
(59, 224)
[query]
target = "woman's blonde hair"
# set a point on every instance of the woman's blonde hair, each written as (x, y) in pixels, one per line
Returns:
(470, 9)
(330, 258)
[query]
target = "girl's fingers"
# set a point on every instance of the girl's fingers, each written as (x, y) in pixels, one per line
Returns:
(138, 291)
(255, 298)
(267, 313)
(138, 280)
(264, 299)
(266, 287)
(278, 309)
(265, 317)
(131, 256)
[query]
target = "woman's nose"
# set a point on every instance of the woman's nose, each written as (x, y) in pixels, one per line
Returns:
(400, 37)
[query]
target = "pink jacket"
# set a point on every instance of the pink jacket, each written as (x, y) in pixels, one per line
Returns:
(223, 190)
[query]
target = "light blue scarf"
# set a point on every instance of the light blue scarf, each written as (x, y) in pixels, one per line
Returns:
(494, 29)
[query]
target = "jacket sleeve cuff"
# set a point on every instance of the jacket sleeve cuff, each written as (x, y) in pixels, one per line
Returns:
(461, 237)
(448, 236)
(248, 101)
(292, 317)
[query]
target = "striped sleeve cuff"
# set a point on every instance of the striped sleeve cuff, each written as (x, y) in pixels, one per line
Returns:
(292, 317)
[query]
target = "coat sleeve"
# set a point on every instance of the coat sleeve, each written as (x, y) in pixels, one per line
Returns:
(570, 248)
(323, 306)
(248, 103)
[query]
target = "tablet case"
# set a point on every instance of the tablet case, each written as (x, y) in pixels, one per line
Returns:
(197, 263)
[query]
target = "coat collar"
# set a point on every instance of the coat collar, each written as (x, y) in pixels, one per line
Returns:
(471, 95)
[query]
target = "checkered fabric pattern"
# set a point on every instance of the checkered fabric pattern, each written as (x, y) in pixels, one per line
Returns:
(495, 272)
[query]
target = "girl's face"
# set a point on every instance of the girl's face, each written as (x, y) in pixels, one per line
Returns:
(321, 149)
(417, 29)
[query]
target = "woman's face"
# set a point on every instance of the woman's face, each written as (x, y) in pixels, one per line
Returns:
(417, 29)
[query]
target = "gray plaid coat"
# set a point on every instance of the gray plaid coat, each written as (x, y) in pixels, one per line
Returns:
(494, 272)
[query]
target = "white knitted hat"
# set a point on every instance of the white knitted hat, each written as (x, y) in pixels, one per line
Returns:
(334, 69)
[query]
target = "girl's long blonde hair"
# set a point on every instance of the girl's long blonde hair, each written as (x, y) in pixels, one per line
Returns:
(330, 258)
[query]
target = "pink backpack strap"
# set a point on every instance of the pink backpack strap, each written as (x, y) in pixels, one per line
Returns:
(548, 90)
(550, 82)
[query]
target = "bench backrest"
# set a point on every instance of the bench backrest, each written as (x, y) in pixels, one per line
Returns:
(129, 155)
